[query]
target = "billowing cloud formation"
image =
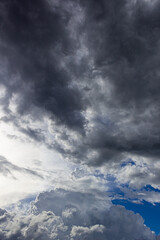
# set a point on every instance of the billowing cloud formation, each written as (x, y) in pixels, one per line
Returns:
(59, 215)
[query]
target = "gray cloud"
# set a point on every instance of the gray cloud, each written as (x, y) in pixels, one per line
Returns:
(90, 67)
(125, 36)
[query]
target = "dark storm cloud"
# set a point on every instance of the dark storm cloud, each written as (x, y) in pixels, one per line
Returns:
(93, 67)
(34, 40)
(123, 41)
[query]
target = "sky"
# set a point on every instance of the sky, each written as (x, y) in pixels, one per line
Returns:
(79, 120)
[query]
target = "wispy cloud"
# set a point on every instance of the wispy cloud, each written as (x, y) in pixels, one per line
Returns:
(7, 169)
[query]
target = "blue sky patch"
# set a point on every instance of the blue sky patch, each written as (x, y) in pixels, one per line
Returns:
(149, 212)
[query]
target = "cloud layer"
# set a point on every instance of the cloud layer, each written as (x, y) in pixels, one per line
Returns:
(82, 78)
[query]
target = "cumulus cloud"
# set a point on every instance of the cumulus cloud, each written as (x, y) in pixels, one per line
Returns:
(56, 220)
(90, 233)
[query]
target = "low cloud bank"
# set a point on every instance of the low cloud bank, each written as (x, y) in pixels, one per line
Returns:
(61, 214)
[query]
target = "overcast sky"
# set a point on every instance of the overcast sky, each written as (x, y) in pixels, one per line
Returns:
(79, 119)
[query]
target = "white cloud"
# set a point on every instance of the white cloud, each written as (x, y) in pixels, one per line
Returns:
(87, 232)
